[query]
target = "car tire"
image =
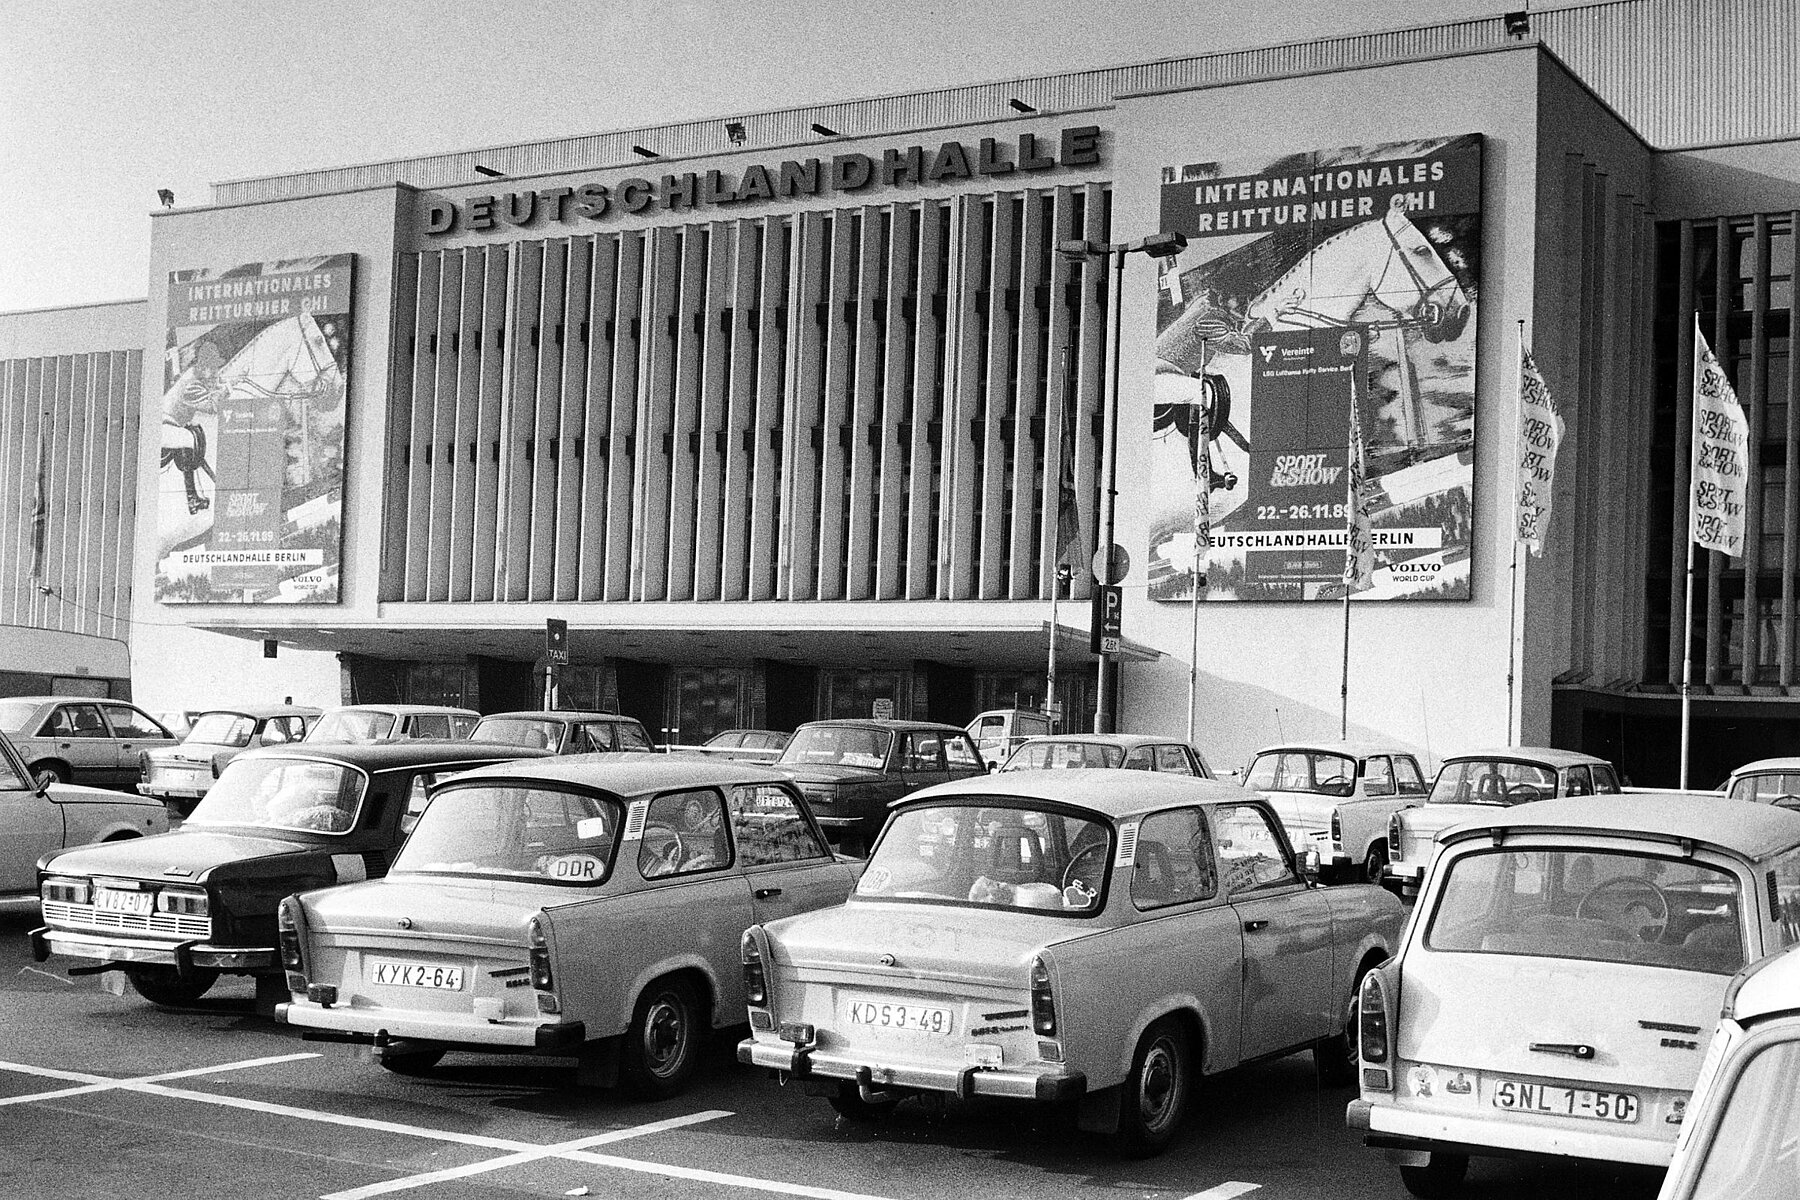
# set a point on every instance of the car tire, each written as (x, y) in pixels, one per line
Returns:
(1335, 1057)
(45, 774)
(850, 1105)
(409, 1062)
(1375, 864)
(662, 1047)
(1440, 1177)
(1156, 1092)
(163, 987)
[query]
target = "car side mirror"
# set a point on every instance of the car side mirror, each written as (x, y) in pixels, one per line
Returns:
(1309, 866)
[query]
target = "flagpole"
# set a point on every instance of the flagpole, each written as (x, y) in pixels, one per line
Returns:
(1687, 649)
(1512, 610)
(1202, 498)
(1344, 680)
(1056, 535)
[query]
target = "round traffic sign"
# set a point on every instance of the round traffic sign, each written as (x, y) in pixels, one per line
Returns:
(1120, 565)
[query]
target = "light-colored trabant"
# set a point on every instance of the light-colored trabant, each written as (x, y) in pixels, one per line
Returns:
(1108, 751)
(564, 732)
(393, 722)
(1561, 976)
(1738, 1141)
(587, 906)
(1337, 797)
(180, 775)
(1471, 786)
(1767, 781)
(1100, 938)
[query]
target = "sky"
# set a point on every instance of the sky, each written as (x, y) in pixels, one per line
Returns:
(104, 102)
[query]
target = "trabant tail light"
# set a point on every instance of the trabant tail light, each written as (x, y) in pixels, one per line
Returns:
(1337, 829)
(1043, 1004)
(1394, 836)
(287, 934)
(541, 979)
(61, 889)
(183, 902)
(756, 981)
(1372, 1033)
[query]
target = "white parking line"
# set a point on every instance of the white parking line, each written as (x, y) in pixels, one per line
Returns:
(742, 1181)
(1225, 1191)
(103, 1083)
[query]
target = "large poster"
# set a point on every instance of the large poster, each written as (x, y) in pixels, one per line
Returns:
(251, 487)
(1307, 280)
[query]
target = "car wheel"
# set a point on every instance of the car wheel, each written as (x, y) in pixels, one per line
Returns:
(1156, 1091)
(850, 1105)
(45, 774)
(1335, 1056)
(163, 986)
(1440, 1177)
(1375, 864)
(662, 1047)
(409, 1062)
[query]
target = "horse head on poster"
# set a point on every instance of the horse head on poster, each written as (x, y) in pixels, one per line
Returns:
(1380, 274)
(290, 361)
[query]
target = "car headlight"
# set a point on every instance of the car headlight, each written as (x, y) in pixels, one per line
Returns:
(63, 889)
(182, 902)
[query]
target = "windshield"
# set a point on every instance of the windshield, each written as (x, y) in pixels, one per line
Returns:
(1755, 1152)
(1775, 787)
(998, 857)
(517, 830)
(518, 731)
(352, 725)
(283, 793)
(222, 729)
(1603, 906)
(1302, 771)
(839, 745)
(14, 716)
(1492, 781)
(1047, 755)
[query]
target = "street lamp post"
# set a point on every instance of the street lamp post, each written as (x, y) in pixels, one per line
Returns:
(1156, 245)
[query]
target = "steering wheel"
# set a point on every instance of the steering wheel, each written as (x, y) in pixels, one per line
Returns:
(1088, 867)
(1524, 793)
(665, 849)
(1635, 905)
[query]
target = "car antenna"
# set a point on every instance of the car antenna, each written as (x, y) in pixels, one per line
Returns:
(1280, 734)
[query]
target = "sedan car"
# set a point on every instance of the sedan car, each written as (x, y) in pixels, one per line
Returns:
(1561, 978)
(1337, 797)
(752, 745)
(395, 722)
(563, 732)
(1470, 786)
(1052, 937)
(1768, 781)
(1739, 1138)
(587, 907)
(1118, 751)
(851, 770)
(78, 739)
(180, 775)
(41, 818)
(176, 911)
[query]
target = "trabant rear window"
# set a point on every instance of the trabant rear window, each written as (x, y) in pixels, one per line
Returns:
(1600, 906)
(1051, 755)
(297, 794)
(1775, 787)
(352, 726)
(1302, 771)
(994, 856)
(516, 830)
(1492, 781)
(222, 729)
(533, 734)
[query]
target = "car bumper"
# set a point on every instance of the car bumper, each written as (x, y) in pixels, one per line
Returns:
(1404, 874)
(172, 791)
(1051, 1085)
(379, 1026)
(1405, 1132)
(183, 956)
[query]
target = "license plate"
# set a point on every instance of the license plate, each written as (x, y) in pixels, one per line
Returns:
(915, 1018)
(1515, 1096)
(136, 903)
(441, 976)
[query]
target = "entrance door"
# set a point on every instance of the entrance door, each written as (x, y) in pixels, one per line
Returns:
(704, 701)
(854, 693)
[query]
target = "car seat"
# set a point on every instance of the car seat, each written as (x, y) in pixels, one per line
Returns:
(1018, 855)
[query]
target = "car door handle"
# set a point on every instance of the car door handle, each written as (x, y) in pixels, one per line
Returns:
(767, 893)
(1253, 926)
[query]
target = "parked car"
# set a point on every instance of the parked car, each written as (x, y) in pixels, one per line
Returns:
(578, 907)
(1120, 751)
(77, 739)
(1768, 781)
(1080, 937)
(851, 770)
(1337, 797)
(180, 775)
(178, 721)
(37, 819)
(385, 722)
(174, 912)
(999, 732)
(1561, 977)
(1738, 1139)
(563, 732)
(1470, 786)
(751, 745)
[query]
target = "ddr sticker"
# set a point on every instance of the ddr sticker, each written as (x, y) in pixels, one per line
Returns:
(574, 868)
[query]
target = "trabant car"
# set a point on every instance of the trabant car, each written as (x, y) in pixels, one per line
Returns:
(998, 732)
(1091, 938)
(1743, 1124)
(1116, 751)
(180, 775)
(576, 906)
(40, 818)
(752, 745)
(79, 739)
(1561, 977)
(563, 732)
(1767, 781)
(850, 770)
(1337, 797)
(176, 911)
(1470, 786)
(395, 722)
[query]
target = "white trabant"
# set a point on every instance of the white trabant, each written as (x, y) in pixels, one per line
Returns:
(1095, 938)
(1337, 797)
(587, 906)
(1560, 978)
(1743, 1127)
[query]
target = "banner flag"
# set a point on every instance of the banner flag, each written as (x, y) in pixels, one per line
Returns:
(1540, 433)
(1720, 456)
(40, 510)
(1359, 541)
(1068, 507)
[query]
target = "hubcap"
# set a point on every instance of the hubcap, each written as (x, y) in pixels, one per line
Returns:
(1157, 1085)
(665, 1035)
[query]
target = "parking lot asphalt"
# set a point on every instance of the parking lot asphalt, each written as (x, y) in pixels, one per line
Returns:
(104, 1095)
